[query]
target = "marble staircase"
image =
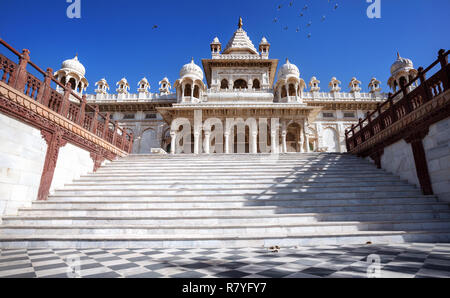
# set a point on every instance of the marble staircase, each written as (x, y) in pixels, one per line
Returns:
(230, 201)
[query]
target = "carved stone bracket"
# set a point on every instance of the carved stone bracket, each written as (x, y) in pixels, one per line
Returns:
(54, 142)
(420, 159)
(98, 159)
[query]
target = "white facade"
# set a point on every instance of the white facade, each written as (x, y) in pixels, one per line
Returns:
(242, 79)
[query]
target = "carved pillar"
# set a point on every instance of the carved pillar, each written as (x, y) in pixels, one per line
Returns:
(207, 142)
(420, 160)
(227, 143)
(196, 142)
(274, 141)
(283, 139)
(173, 140)
(255, 142)
(82, 114)
(54, 142)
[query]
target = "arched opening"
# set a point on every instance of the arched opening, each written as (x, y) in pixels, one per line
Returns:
(196, 91)
(224, 84)
(79, 88)
(403, 81)
(292, 91)
(64, 81)
(187, 90)
(148, 140)
(283, 92)
(240, 84)
(73, 83)
(293, 137)
(256, 84)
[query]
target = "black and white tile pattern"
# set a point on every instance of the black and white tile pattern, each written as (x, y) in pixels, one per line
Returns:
(403, 261)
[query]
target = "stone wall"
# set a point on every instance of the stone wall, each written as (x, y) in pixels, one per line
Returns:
(72, 163)
(437, 149)
(22, 156)
(398, 159)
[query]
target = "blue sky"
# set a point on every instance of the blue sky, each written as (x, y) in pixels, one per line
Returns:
(115, 39)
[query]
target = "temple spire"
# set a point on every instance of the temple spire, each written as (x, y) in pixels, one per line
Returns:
(240, 23)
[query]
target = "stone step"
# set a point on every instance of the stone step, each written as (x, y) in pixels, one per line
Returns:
(246, 211)
(238, 176)
(184, 220)
(332, 192)
(230, 198)
(238, 203)
(233, 180)
(200, 241)
(259, 182)
(229, 230)
(290, 187)
(199, 170)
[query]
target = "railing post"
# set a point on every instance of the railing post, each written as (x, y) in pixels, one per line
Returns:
(20, 76)
(382, 124)
(95, 121)
(369, 118)
(443, 59)
(45, 91)
(423, 84)
(392, 109)
(130, 145)
(64, 108)
(115, 133)
(82, 113)
(106, 128)
(360, 124)
(124, 138)
(346, 140)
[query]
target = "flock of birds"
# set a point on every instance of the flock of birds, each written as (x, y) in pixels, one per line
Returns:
(302, 14)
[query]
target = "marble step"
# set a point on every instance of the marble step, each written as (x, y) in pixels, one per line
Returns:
(176, 170)
(230, 230)
(317, 192)
(226, 198)
(260, 183)
(279, 187)
(246, 211)
(238, 203)
(200, 241)
(238, 175)
(185, 220)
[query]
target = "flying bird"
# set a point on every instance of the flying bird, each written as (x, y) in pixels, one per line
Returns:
(323, 18)
(155, 27)
(336, 6)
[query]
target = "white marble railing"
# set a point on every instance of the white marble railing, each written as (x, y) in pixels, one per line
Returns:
(130, 97)
(345, 96)
(215, 91)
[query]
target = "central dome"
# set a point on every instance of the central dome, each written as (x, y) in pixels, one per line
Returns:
(401, 64)
(287, 70)
(191, 69)
(74, 65)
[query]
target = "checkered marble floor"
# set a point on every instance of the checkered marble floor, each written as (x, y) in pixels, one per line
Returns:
(403, 261)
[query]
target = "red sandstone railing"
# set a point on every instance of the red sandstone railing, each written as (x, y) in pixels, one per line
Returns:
(390, 112)
(79, 112)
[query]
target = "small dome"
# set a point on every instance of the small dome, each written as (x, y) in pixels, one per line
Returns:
(74, 65)
(216, 40)
(401, 64)
(264, 41)
(288, 69)
(191, 69)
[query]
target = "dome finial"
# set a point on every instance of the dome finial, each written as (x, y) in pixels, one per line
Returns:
(240, 24)
(398, 55)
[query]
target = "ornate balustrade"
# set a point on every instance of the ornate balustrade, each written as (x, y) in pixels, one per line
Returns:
(406, 115)
(79, 112)
(394, 110)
